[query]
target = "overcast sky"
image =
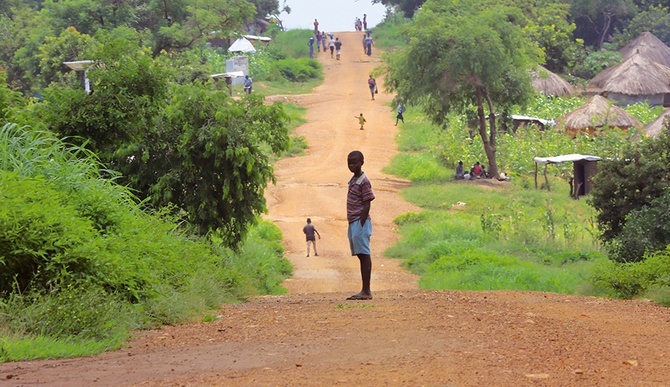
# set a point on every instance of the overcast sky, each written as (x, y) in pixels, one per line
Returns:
(333, 16)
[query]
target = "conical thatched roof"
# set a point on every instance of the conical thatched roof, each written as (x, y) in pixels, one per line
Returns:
(654, 128)
(596, 113)
(549, 83)
(636, 75)
(650, 47)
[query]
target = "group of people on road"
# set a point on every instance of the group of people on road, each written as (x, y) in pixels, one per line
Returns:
(361, 25)
(360, 193)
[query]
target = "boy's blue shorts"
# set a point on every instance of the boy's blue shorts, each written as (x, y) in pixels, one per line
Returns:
(359, 237)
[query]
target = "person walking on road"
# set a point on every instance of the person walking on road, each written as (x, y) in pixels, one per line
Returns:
(324, 41)
(331, 45)
(309, 231)
(359, 197)
(372, 84)
(316, 26)
(311, 47)
(338, 48)
(361, 120)
(368, 44)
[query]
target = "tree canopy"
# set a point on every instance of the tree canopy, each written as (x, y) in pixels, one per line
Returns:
(461, 56)
(188, 146)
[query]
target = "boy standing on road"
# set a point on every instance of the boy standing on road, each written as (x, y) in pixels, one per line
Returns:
(309, 231)
(359, 232)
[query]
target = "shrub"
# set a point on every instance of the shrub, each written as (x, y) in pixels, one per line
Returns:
(299, 70)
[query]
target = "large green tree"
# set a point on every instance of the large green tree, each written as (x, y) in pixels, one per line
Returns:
(463, 55)
(188, 147)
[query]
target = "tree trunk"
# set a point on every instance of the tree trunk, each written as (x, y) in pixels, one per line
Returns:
(488, 140)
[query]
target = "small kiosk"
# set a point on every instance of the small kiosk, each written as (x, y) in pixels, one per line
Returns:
(584, 168)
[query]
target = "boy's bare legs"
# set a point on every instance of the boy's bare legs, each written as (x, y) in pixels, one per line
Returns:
(366, 274)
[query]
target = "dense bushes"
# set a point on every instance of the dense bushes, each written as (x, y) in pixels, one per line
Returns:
(81, 259)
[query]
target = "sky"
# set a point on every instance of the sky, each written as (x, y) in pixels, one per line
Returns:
(333, 15)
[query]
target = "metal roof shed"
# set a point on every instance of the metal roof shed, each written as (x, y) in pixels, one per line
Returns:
(584, 168)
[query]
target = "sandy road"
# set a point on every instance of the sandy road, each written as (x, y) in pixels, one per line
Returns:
(315, 185)
(404, 336)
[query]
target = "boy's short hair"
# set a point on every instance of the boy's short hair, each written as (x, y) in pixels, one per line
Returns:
(357, 154)
(309, 220)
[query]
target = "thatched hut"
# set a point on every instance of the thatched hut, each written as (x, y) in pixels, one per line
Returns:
(637, 79)
(650, 47)
(548, 83)
(595, 114)
(654, 128)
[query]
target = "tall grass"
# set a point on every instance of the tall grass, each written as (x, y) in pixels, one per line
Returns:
(84, 264)
(485, 234)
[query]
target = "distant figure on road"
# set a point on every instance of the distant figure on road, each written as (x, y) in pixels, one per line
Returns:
(365, 22)
(361, 120)
(338, 48)
(318, 41)
(316, 26)
(311, 47)
(248, 82)
(309, 231)
(368, 44)
(331, 45)
(372, 84)
(324, 41)
(359, 232)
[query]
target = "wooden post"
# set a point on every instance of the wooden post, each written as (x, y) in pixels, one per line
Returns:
(536, 175)
(546, 180)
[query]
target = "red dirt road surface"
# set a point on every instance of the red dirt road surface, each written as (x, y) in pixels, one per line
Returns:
(404, 336)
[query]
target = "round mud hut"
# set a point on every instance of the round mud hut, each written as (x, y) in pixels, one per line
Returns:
(594, 115)
(650, 47)
(654, 128)
(637, 79)
(548, 83)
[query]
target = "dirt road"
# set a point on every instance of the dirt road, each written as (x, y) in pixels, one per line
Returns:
(405, 335)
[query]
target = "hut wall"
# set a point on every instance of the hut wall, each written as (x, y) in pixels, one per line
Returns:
(625, 100)
(584, 172)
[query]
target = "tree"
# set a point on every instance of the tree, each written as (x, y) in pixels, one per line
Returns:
(462, 55)
(655, 19)
(596, 19)
(188, 147)
(633, 186)
(408, 7)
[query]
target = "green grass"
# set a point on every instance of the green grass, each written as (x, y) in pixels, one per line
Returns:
(485, 234)
(477, 237)
(286, 87)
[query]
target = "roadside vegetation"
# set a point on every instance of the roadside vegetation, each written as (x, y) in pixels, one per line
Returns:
(137, 205)
(486, 234)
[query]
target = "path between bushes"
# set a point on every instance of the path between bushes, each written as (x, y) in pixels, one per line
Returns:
(312, 336)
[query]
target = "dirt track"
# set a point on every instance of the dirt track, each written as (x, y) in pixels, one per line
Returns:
(405, 335)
